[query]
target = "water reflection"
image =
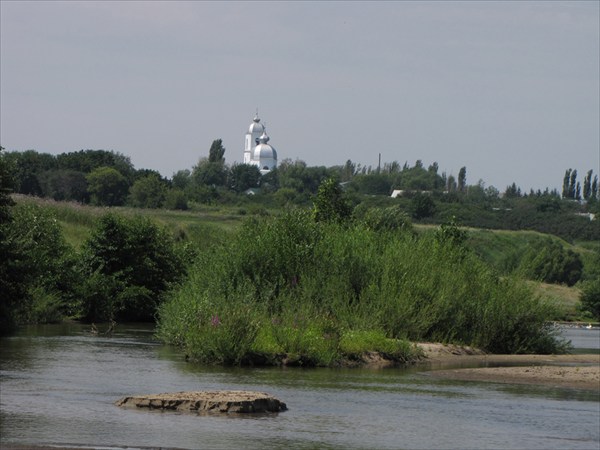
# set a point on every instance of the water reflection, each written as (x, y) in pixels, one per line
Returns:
(59, 384)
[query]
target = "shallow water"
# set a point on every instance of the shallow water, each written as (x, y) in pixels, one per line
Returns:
(58, 385)
(583, 339)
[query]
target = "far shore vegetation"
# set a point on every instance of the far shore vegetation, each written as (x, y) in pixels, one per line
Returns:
(313, 266)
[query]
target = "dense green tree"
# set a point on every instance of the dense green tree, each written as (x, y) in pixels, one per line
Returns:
(127, 265)
(512, 191)
(65, 184)
(216, 152)
(12, 285)
(451, 184)
(417, 179)
(433, 168)
(243, 176)
(27, 167)
(548, 203)
(107, 187)
(590, 288)
(176, 199)
(181, 179)
(6, 187)
(144, 173)
(491, 192)
(348, 171)
(573, 184)
(330, 204)
(208, 173)
(476, 193)
(269, 182)
(373, 184)
(590, 298)
(87, 161)
(587, 185)
(552, 263)
(462, 179)
(422, 206)
(566, 180)
(298, 176)
(47, 261)
(211, 171)
(148, 192)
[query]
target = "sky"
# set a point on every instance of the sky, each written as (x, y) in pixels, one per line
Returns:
(510, 90)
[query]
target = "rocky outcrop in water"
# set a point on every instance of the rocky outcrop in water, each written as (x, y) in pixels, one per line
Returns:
(207, 402)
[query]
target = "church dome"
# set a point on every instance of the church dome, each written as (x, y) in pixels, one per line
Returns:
(264, 151)
(256, 126)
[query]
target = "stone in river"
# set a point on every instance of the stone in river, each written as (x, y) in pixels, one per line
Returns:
(206, 401)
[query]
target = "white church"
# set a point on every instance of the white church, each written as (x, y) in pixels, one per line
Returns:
(258, 151)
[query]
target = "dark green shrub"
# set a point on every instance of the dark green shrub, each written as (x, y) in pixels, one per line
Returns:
(128, 265)
(330, 204)
(590, 298)
(148, 192)
(422, 206)
(107, 186)
(38, 271)
(176, 199)
(552, 263)
(387, 219)
(450, 233)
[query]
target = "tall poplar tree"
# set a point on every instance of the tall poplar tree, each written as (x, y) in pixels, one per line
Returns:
(216, 152)
(587, 185)
(462, 179)
(573, 184)
(566, 179)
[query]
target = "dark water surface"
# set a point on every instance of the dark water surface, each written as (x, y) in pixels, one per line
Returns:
(58, 384)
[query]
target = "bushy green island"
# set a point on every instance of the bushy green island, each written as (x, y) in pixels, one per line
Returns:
(317, 293)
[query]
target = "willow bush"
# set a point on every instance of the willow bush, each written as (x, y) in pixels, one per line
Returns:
(288, 287)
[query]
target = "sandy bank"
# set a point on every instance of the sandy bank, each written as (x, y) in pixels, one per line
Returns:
(574, 371)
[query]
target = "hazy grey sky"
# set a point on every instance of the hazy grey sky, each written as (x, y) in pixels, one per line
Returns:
(508, 89)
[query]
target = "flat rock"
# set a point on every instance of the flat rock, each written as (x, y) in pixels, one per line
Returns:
(206, 401)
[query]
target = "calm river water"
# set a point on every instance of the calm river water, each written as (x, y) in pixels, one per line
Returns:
(58, 385)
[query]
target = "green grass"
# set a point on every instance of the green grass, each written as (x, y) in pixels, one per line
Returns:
(202, 225)
(565, 299)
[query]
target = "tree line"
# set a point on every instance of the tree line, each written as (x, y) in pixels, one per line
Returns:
(106, 178)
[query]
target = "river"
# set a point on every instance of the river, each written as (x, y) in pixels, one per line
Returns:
(58, 384)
